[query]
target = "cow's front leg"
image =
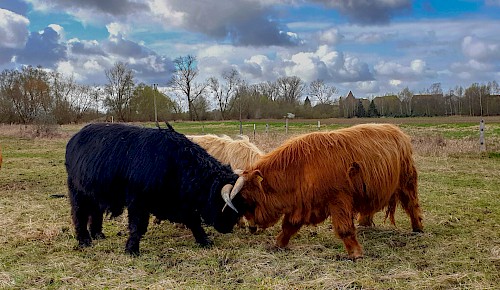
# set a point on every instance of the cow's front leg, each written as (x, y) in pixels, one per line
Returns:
(342, 220)
(194, 224)
(138, 219)
(288, 229)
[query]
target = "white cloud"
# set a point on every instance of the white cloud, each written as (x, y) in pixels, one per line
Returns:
(93, 65)
(393, 70)
(117, 29)
(395, 83)
(57, 28)
(66, 68)
(368, 87)
(472, 66)
(164, 11)
(327, 65)
(330, 36)
(478, 49)
(13, 29)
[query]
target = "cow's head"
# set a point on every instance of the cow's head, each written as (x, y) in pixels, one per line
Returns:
(258, 209)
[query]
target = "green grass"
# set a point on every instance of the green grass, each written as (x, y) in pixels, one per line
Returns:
(460, 249)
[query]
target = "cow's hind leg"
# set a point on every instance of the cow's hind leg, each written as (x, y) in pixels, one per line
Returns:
(343, 222)
(408, 197)
(412, 208)
(80, 205)
(95, 223)
(366, 220)
(138, 219)
(288, 229)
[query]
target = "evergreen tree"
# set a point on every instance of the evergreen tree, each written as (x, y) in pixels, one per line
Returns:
(307, 103)
(360, 110)
(372, 110)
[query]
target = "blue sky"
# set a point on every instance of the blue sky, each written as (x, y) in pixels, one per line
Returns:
(370, 47)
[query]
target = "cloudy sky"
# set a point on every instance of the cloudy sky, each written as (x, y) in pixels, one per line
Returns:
(370, 47)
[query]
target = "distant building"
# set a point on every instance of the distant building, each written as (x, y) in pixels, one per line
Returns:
(349, 106)
(428, 105)
(388, 105)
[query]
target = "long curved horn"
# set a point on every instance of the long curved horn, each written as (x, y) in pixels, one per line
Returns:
(238, 185)
(225, 192)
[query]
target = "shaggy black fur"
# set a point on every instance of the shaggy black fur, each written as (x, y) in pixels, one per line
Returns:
(149, 171)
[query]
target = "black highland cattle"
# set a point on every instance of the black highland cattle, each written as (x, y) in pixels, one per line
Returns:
(148, 171)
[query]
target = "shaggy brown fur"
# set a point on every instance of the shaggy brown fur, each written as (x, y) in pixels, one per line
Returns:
(238, 153)
(362, 169)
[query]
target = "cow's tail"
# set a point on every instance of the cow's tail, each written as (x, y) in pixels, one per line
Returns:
(391, 209)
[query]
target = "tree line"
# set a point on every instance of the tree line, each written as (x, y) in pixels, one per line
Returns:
(34, 95)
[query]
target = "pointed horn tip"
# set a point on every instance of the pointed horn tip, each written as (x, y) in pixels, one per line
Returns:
(225, 193)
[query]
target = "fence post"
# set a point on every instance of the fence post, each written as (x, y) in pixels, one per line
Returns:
(286, 125)
(319, 125)
(254, 132)
(267, 128)
(482, 145)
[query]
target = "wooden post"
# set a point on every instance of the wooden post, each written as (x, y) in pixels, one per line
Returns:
(286, 125)
(155, 87)
(482, 144)
(254, 132)
(267, 128)
(319, 125)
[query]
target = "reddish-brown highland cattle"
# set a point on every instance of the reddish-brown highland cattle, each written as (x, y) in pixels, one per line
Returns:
(362, 169)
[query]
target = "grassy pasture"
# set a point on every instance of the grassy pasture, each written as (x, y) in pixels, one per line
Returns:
(460, 249)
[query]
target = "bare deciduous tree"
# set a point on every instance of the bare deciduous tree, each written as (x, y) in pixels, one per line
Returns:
(224, 93)
(290, 89)
(27, 93)
(183, 80)
(322, 92)
(270, 90)
(119, 90)
(405, 97)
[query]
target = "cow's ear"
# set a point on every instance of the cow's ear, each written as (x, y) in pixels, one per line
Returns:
(258, 175)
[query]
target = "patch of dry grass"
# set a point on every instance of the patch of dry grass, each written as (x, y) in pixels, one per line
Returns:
(460, 249)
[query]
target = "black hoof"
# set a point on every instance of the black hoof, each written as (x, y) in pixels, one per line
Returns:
(205, 243)
(98, 236)
(132, 249)
(85, 243)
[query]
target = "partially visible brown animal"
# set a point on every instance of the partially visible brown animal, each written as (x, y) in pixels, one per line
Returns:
(238, 153)
(362, 169)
